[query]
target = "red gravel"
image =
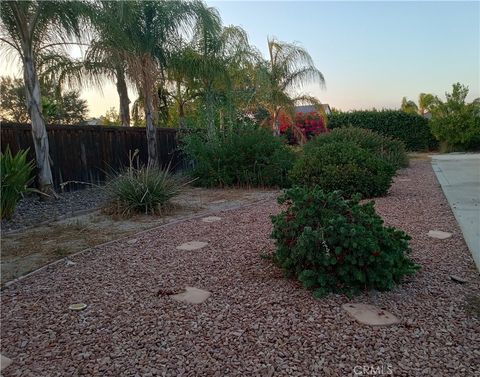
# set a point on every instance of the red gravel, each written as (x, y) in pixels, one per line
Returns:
(256, 323)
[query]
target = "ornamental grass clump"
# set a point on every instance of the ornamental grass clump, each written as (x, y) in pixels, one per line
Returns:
(16, 175)
(141, 190)
(332, 244)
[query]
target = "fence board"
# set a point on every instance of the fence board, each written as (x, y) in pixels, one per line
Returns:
(89, 153)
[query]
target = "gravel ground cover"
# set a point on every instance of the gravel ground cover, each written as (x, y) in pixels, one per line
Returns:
(31, 210)
(256, 322)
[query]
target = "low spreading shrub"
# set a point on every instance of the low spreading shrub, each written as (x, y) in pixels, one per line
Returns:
(141, 190)
(342, 166)
(390, 150)
(247, 156)
(412, 129)
(335, 245)
(16, 174)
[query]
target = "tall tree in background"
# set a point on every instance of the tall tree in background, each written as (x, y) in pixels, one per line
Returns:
(32, 28)
(289, 68)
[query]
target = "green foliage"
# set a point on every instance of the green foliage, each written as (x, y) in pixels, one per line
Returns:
(390, 150)
(335, 245)
(13, 106)
(141, 190)
(455, 123)
(16, 175)
(57, 107)
(243, 156)
(412, 129)
(342, 166)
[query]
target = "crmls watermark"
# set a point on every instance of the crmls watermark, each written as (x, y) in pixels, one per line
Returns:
(372, 370)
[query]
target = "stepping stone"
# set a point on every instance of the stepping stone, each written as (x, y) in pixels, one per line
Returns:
(439, 234)
(218, 201)
(370, 315)
(77, 307)
(192, 245)
(458, 279)
(68, 262)
(4, 362)
(132, 241)
(192, 295)
(403, 179)
(211, 219)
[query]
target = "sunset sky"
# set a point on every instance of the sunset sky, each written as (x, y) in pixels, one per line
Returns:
(371, 53)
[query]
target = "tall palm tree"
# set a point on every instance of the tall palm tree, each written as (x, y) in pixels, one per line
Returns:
(32, 28)
(289, 67)
(103, 62)
(145, 41)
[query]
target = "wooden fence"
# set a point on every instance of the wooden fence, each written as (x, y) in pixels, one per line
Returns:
(90, 153)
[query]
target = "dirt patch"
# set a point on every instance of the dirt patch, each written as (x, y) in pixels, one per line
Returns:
(29, 249)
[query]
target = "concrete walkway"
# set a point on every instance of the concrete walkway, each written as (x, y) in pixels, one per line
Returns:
(459, 176)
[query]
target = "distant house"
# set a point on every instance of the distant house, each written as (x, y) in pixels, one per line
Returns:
(93, 122)
(312, 109)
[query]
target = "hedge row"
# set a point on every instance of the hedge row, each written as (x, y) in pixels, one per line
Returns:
(412, 129)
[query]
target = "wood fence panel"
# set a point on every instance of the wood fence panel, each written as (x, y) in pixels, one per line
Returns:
(89, 153)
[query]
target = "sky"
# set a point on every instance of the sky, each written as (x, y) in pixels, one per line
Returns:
(370, 53)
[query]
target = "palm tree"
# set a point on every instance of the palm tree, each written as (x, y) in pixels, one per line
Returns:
(103, 62)
(33, 28)
(145, 40)
(409, 106)
(425, 102)
(289, 67)
(219, 55)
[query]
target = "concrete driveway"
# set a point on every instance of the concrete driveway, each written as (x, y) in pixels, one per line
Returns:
(459, 176)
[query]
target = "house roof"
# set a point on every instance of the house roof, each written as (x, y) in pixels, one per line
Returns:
(311, 108)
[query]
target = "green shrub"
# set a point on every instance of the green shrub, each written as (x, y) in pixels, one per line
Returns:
(335, 245)
(412, 129)
(16, 175)
(456, 123)
(248, 156)
(141, 190)
(390, 150)
(342, 166)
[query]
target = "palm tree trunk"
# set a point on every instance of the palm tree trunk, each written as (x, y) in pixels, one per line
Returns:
(124, 100)
(39, 132)
(151, 130)
(275, 124)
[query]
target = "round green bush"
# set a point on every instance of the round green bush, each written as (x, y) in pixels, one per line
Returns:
(390, 150)
(336, 245)
(247, 156)
(342, 166)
